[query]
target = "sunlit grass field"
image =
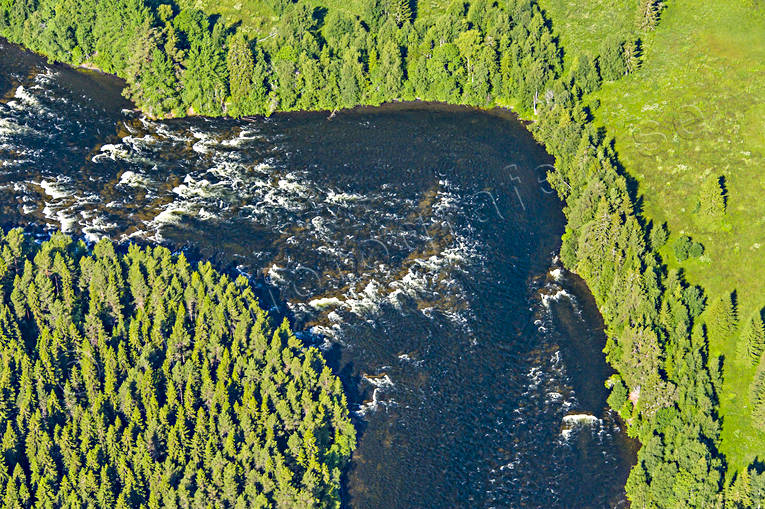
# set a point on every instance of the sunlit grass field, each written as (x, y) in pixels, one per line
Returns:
(257, 18)
(582, 26)
(695, 111)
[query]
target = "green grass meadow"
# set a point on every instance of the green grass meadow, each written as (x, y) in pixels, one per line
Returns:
(582, 26)
(696, 111)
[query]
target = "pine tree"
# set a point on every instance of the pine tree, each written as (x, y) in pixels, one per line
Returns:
(757, 387)
(631, 56)
(648, 14)
(712, 197)
(752, 340)
(721, 318)
(400, 11)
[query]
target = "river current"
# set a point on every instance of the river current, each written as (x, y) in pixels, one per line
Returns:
(415, 244)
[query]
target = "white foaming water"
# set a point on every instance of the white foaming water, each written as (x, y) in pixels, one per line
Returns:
(343, 198)
(245, 136)
(25, 97)
(111, 151)
(379, 382)
(132, 179)
(54, 189)
(10, 128)
(325, 302)
(369, 406)
(557, 295)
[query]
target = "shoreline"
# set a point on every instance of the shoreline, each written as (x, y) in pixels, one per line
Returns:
(497, 110)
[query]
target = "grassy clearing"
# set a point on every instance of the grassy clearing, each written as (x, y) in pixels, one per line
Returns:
(257, 18)
(581, 26)
(695, 111)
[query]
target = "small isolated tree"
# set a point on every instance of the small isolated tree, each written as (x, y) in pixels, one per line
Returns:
(659, 236)
(648, 14)
(696, 250)
(752, 340)
(632, 56)
(612, 66)
(682, 248)
(721, 319)
(712, 197)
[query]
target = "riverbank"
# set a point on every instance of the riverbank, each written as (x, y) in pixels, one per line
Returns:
(459, 353)
(605, 240)
(693, 113)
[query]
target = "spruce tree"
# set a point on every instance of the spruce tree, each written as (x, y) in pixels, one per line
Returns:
(132, 406)
(648, 14)
(721, 318)
(400, 11)
(752, 340)
(631, 56)
(757, 387)
(712, 197)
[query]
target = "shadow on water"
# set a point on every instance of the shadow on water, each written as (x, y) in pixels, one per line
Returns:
(413, 243)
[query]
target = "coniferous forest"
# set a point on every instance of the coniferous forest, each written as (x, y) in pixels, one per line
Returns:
(132, 379)
(178, 61)
(139, 380)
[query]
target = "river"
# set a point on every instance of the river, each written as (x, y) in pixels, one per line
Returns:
(415, 244)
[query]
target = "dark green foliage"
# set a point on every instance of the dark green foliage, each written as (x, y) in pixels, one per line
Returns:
(752, 340)
(694, 299)
(721, 318)
(682, 248)
(659, 235)
(476, 53)
(612, 62)
(247, 78)
(665, 389)
(586, 75)
(712, 197)
(696, 250)
(179, 61)
(138, 380)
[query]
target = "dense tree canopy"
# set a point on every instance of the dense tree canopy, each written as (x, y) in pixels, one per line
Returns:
(481, 53)
(178, 60)
(138, 380)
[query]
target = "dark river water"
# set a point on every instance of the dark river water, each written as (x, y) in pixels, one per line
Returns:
(414, 244)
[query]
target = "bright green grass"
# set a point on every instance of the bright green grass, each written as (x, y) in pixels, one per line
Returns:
(257, 19)
(695, 110)
(583, 25)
